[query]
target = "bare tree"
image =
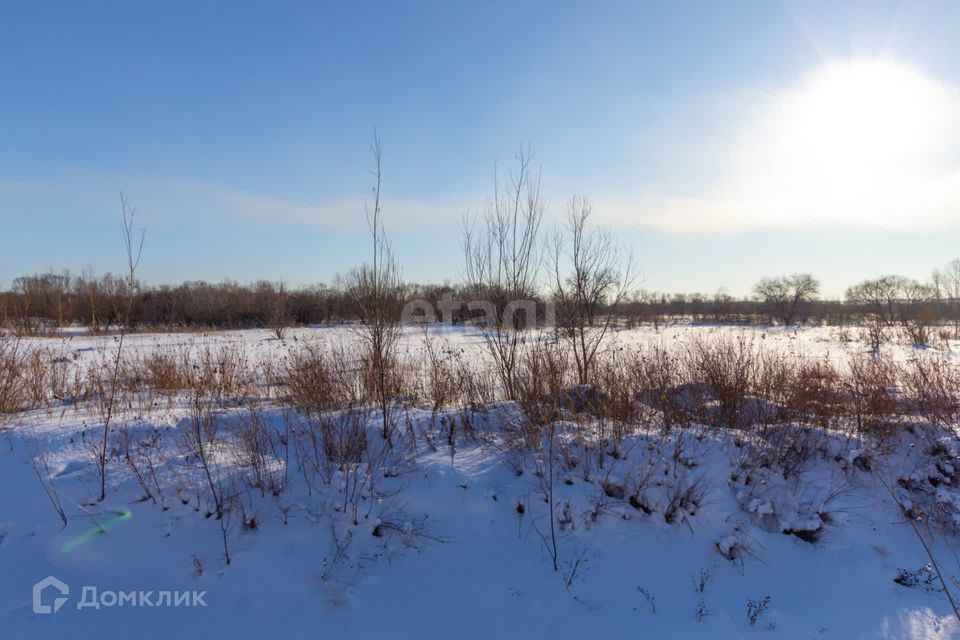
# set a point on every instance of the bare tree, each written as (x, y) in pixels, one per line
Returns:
(600, 272)
(502, 263)
(134, 249)
(785, 295)
(946, 281)
(277, 300)
(377, 291)
(23, 287)
(891, 300)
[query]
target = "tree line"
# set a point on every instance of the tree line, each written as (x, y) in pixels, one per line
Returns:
(42, 302)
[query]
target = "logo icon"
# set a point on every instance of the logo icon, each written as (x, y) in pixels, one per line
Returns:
(43, 585)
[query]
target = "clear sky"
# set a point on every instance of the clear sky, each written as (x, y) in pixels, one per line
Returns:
(724, 141)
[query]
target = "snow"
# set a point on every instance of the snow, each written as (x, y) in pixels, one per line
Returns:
(673, 536)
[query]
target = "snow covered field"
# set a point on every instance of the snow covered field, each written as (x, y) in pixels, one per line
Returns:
(693, 533)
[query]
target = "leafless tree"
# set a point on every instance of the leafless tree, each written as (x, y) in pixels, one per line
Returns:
(877, 301)
(878, 297)
(917, 312)
(377, 291)
(600, 273)
(895, 300)
(946, 281)
(22, 287)
(42, 297)
(134, 249)
(502, 264)
(785, 295)
(277, 302)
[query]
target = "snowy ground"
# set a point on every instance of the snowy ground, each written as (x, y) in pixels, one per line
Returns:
(441, 549)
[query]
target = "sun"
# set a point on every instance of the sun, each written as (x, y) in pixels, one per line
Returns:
(862, 117)
(856, 141)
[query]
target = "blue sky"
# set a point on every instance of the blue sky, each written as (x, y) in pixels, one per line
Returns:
(704, 132)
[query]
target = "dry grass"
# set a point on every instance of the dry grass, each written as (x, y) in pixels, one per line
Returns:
(870, 398)
(718, 381)
(728, 369)
(13, 394)
(167, 369)
(33, 378)
(931, 387)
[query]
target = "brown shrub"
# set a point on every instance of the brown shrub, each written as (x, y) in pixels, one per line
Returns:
(163, 369)
(931, 386)
(309, 380)
(870, 395)
(12, 392)
(661, 376)
(729, 367)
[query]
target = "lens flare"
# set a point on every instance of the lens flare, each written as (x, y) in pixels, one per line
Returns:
(97, 530)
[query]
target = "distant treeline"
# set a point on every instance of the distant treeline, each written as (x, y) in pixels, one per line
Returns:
(42, 301)
(39, 303)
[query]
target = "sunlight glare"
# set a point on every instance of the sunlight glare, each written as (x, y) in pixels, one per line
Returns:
(860, 140)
